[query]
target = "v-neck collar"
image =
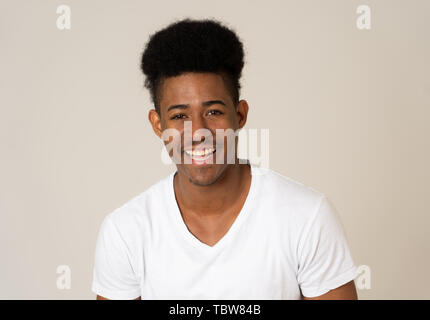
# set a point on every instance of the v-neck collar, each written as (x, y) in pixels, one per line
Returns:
(193, 240)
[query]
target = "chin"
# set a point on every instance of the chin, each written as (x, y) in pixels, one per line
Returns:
(204, 175)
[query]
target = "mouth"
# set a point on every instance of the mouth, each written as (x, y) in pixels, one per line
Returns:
(201, 156)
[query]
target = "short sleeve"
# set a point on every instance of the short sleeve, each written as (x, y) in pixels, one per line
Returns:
(113, 275)
(325, 261)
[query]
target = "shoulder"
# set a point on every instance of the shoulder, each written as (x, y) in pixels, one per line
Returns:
(133, 217)
(287, 197)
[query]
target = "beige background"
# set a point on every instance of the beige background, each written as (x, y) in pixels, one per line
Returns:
(348, 112)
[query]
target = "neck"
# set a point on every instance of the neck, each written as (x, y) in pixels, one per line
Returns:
(215, 199)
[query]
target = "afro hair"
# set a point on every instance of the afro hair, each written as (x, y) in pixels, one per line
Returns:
(193, 46)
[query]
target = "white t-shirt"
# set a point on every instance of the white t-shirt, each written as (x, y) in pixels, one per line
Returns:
(286, 240)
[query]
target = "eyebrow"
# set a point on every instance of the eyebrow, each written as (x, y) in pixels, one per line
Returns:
(204, 104)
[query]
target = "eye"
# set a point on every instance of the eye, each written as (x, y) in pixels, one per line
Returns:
(214, 112)
(178, 116)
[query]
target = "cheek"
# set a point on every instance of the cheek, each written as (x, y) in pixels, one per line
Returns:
(228, 122)
(232, 121)
(172, 137)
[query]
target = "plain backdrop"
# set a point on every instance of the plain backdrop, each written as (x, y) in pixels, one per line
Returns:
(348, 112)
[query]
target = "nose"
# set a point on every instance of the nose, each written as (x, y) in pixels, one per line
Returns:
(198, 129)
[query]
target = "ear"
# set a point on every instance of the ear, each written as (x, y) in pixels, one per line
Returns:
(154, 119)
(242, 113)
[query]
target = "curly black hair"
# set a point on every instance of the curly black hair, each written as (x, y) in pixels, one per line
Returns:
(193, 46)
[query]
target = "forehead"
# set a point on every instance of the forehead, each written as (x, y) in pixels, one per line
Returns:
(192, 87)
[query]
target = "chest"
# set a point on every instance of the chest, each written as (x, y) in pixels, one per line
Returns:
(253, 269)
(210, 230)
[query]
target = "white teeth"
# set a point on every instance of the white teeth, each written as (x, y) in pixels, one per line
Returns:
(199, 153)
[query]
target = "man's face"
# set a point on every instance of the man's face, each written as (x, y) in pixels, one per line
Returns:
(203, 100)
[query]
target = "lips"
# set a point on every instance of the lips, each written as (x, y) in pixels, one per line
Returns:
(201, 156)
(201, 153)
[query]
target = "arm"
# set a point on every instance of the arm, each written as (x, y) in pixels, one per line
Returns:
(326, 269)
(113, 274)
(345, 292)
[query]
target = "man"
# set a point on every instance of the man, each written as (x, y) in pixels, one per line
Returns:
(216, 228)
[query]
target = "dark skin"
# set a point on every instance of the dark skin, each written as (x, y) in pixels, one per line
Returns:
(209, 196)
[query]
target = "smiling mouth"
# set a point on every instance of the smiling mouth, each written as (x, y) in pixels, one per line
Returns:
(200, 156)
